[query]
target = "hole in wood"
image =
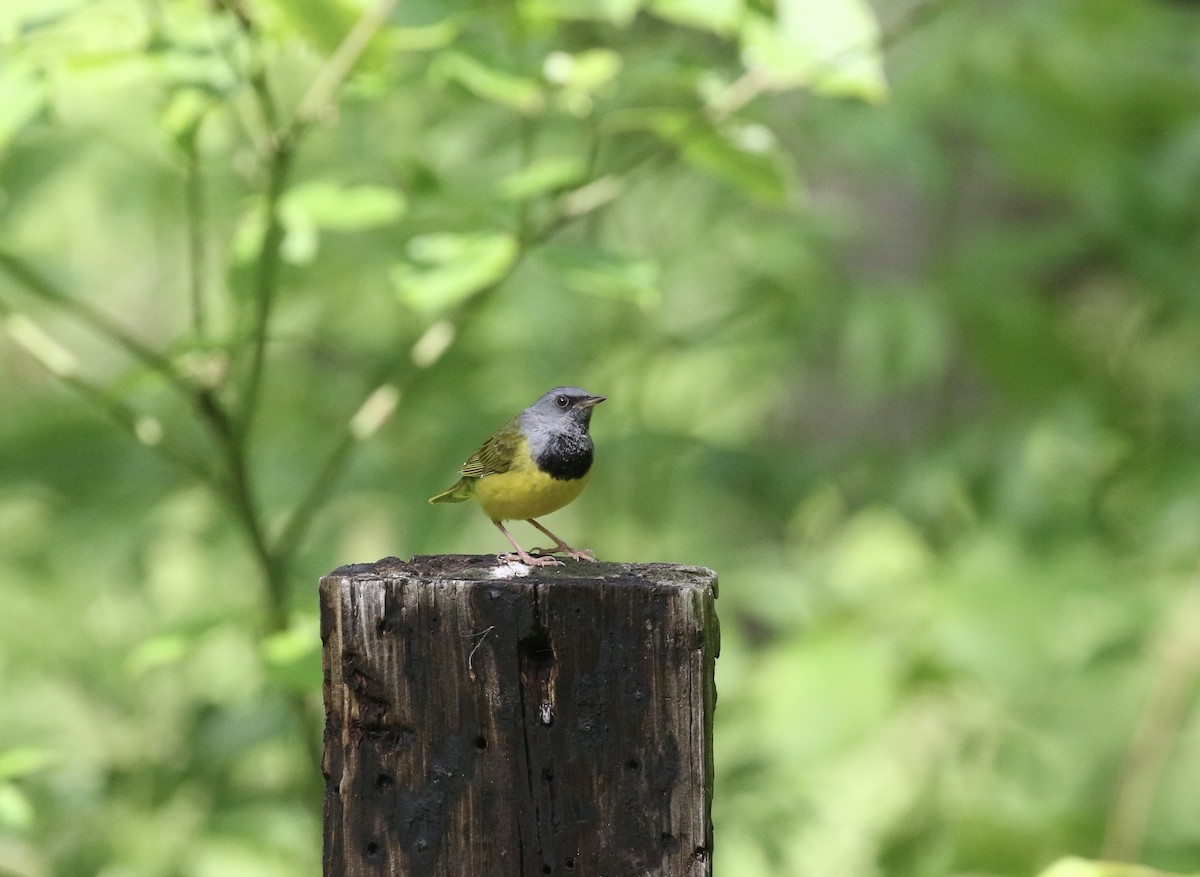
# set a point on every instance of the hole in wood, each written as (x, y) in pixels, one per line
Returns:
(632, 764)
(383, 781)
(546, 869)
(536, 652)
(570, 863)
(481, 743)
(372, 850)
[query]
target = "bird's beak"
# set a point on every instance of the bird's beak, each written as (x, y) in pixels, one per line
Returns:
(590, 401)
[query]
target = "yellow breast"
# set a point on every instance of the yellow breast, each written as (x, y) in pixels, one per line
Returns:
(524, 491)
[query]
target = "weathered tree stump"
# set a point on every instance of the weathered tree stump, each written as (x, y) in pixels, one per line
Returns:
(481, 726)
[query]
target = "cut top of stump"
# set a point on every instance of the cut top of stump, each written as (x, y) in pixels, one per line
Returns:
(485, 567)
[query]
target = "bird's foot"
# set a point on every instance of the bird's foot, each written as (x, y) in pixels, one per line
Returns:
(530, 560)
(573, 553)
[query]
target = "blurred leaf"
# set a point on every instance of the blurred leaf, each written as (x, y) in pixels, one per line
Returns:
(719, 16)
(300, 242)
(309, 207)
(1075, 867)
(293, 656)
(599, 272)
(619, 12)
(16, 812)
(323, 22)
(446, 269)
(746, 157)
(17, 763)
(581, 76)
(541, 177)
(876, 555)
(329, 205)
(517, 92)
(184, 114)
(344, 208)
(159, 651)
(425, 38)
(249, 231)
(230, 858)
(26, 19)
(25, 522)
(754, 165)
(591, 196)
(894, 339)
(587, 71)
(852, 684)
(22, 99)
(830, 46)
(743, 856)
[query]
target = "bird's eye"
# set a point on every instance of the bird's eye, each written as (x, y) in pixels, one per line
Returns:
(562, 401)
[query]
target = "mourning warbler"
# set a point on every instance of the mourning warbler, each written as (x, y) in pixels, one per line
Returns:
(535, 464)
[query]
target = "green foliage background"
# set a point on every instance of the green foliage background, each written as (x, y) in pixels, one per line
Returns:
(898, 313)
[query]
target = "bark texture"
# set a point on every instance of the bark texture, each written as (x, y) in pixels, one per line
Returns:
(481, 723)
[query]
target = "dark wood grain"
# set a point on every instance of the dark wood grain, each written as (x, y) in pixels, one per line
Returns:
(554, 724)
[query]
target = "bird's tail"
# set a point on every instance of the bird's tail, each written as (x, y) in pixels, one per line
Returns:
(463, 490)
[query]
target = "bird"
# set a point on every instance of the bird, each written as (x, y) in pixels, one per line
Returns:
(533, 465)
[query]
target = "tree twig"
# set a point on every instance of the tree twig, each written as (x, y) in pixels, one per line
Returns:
(146, 429)
(1172, 690)
(193, 198)
(97, 320)
(266, 279)
(320, 94)
(284, 142)
(257, 76)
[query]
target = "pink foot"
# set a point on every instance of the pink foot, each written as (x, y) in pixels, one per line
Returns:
(530, 560)
(573, 553)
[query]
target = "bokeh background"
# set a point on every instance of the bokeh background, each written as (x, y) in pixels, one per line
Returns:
(898, 312)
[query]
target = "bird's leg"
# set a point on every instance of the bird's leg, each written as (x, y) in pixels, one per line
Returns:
(560, 545)
(522, 555)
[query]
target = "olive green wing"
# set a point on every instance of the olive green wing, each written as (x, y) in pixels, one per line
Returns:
(496, 455)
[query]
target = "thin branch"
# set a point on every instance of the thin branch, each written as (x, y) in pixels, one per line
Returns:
(753, 82)
(303, 513)
(1172, 691)
(273, 564)
(239, 494)
(95, 319)
(321, 93)
(266, 279)
(194, 211)
(146, 430)
(257, 77)
(300, 519)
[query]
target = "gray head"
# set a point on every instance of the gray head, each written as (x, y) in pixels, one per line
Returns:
(556, 427)
(563, 409)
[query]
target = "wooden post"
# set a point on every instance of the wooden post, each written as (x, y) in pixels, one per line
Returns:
(481, 723)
